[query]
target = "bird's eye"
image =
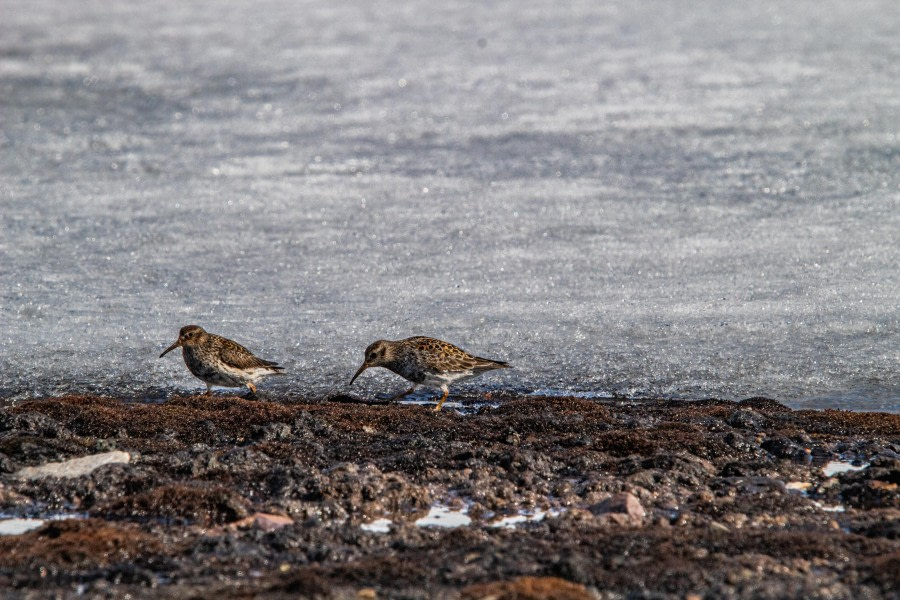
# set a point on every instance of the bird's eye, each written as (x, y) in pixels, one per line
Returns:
(372, 356)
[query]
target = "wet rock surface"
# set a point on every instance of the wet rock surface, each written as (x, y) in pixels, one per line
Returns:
(618, 499)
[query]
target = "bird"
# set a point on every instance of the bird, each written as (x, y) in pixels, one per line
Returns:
(219, 361)
(426, 361)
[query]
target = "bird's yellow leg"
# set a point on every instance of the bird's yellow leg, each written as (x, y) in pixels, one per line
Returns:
(406, 393)
(443, 399)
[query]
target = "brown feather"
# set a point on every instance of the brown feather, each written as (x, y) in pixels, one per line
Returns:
(235, 355)
(453, 358)
(486, 364)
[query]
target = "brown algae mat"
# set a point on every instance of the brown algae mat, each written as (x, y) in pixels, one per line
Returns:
(530, 498)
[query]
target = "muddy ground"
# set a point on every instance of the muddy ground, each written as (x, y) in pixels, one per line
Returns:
(232, 497)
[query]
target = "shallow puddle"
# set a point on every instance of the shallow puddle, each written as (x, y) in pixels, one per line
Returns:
(19, 525)
(525, 517)
(440, 515)
(562, 393)
(838, 508)
(377, 526)
(444, 516)
(430, 402)
(836, 467)
(467, 408)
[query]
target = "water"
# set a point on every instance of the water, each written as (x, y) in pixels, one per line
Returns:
(523, 517)
(836, 467)
(19, 526)
(15, 525)
(381, 525)
(673, 199)
(443, 516)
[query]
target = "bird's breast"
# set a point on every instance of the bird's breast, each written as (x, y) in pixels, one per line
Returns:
(407, 370)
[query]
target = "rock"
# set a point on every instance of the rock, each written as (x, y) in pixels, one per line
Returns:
(738, 442)
(272, 431)
(762, 403)
(623, 508)
(264, 521)
(780, 446)
(712, 509)
(528, 588)
(32, 423)
(682, 464)
(737, 520)
(573, 565)
(79, 544)
(744, 418)
(873, 487)
(752, 485)
(798, 486)
(886, 570)
(883, 523)
(195, 503)
(10, 498)
(75, 467)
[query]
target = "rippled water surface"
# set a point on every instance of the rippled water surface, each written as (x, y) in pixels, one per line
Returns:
(685, 199)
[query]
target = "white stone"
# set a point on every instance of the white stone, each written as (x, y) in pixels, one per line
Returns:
(75, 467)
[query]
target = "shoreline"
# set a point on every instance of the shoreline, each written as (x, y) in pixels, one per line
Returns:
(597, 498)
(466, 398)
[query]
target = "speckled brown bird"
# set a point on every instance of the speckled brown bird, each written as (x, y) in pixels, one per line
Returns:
(426, 361)
(219, 361)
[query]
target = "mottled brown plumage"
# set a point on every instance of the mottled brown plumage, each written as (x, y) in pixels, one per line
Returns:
(426, 361)
(219, 361)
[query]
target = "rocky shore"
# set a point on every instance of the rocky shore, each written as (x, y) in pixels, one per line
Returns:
(529, 497)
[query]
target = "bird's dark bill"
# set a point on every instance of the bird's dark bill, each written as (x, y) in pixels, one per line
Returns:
(361, 369)
(170, 348)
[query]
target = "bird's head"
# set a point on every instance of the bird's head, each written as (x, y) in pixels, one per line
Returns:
(377, 354)
(188, 335)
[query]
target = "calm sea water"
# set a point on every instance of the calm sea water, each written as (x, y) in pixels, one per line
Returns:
(681, 199)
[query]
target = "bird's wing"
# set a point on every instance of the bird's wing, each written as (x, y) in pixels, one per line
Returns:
(487, 364)
(454, 358)
(235, 355)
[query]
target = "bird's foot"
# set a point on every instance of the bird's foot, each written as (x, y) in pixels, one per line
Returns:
(441, 403)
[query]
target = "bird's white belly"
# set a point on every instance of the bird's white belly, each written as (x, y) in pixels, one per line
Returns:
(254, 375)
(223, 376)
(438, 380)
(241, 377)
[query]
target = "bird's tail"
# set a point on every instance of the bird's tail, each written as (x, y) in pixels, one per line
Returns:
(487, 364)
(275, 367)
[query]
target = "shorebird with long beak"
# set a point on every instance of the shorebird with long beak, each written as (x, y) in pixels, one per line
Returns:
(426, 361)
(219, 361)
